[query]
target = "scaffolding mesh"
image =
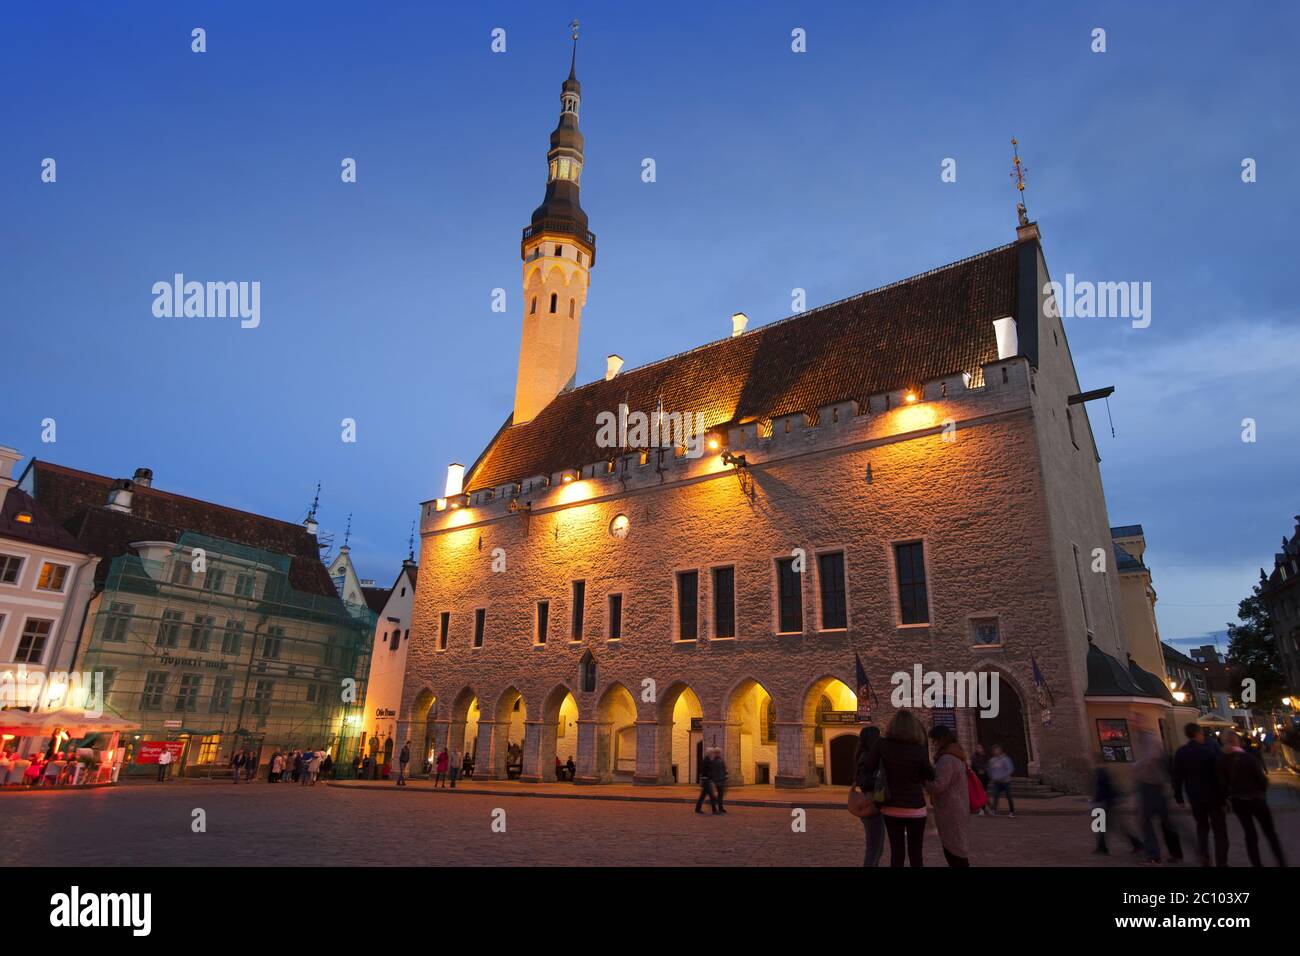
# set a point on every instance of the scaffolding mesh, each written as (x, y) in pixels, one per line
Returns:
(206, 642)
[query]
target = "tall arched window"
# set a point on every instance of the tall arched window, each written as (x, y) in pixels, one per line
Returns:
(570, 308)
(554, 301)
(533, 310)
(587, 673)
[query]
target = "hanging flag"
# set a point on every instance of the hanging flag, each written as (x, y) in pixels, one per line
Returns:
(865, 694)
(1045, 698)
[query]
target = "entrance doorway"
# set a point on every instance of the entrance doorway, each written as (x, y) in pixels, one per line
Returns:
(1007, 729)
(842, 750)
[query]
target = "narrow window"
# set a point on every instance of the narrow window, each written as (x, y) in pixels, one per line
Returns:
(533, 308)
(554, 300)
(559, 250)
(830, 576)
(1069, 420)
(579, 609)
(724, 602)
(480, 621)
(570, 308)
(444, 624)
(688, 586)
(789, 597)
(543, 620)
(909, 565)
(1083, 595)
(587, 673)
(615, 617)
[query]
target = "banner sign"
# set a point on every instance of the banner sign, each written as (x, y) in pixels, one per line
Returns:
(149, 750)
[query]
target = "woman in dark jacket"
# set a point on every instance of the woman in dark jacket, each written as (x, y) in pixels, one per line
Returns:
(903, 754)
(874, 825)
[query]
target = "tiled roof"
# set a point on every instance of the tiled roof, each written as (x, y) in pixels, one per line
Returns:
(376, 598)
(40, 529)
(76, 499)
(935, 324)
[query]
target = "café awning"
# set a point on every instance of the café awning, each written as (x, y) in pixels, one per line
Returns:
(72, 721)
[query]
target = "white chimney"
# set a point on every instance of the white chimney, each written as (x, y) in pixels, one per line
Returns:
(8, 458)
(455, 479)
(119, 496)
(738, 322)
(143, 477)
(1008, 341)
(613, 365)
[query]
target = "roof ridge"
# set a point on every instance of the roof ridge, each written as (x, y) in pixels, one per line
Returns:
(42, 463)
(798, 315)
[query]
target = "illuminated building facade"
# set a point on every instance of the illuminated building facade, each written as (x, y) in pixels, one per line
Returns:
(907, 476)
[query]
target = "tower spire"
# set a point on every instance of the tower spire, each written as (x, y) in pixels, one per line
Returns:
(1018, 174)
(558, 252)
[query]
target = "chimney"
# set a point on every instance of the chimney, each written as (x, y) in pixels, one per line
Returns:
(455, 480)
(9, 457)
(119, 496)
(143, 477)
(738, 322)
(613, 365)
(311, 525)
(1008, 341)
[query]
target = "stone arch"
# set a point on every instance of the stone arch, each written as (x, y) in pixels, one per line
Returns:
(1027, 763)
(678, 744)
(508, 716)
(424, 714)
(614, 739)
(750, 716)
(819, 734)
(561, 704)
(463, 734)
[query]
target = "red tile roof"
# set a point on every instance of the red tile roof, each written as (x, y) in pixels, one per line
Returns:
(76, 499)
(39, 529)
(916, 330)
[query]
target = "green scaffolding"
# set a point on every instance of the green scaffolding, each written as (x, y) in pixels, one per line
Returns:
(206, 642)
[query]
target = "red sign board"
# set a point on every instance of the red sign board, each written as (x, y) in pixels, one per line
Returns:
(149, 750)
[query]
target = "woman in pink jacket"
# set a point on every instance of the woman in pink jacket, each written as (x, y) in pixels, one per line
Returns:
(440, 780)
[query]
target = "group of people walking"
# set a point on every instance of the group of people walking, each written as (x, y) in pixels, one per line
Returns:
(452, 765)
(713, 781)
(1212, 775)
(301, 766)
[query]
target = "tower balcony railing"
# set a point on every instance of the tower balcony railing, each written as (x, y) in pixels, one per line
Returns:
(563, 227)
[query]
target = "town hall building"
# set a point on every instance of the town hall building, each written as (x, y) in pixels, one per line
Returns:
(906, 478)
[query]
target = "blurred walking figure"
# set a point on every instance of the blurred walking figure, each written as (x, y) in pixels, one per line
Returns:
(1196, 771)
(950, 793)
(1246, 782)
(706, 784)
(440, 769)
(453, 766)
(402, 760)
(1001, 767)
(871, 784)
(718, 774)
(1107, 797)
(902, 754)
(1152, 774)
(236, 764)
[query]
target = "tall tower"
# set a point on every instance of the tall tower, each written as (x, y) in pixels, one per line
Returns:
(558, 252)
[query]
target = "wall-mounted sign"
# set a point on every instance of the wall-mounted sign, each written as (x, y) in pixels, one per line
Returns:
(149, 750)
(385, 712)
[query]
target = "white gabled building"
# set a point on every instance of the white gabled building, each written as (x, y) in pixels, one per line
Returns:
(388, 670)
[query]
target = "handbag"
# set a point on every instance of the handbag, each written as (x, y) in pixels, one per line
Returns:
(861, 805)
(975, 790)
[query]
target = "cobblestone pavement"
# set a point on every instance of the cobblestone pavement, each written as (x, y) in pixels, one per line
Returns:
(289, 825)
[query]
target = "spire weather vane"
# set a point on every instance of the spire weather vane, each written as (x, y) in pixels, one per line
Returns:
(1018, 174)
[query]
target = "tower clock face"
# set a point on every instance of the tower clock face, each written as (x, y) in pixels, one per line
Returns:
(620, 526)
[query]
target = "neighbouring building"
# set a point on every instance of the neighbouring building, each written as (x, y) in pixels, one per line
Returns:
(907, 476)
(1224, 683)
(46, 580)
(392, 639)
(1280, 594)
(210, 626)
(1188, 679)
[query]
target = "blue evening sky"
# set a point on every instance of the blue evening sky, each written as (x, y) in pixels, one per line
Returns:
(776, 170)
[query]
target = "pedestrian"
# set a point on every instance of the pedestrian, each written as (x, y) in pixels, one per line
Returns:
(453, 765)
(559, 768)
(718, 774)
(570, 768)
(706, 785)
(440, 769)
(467, 766)
(1001, 767)
(356, 767)
(902, 754)
(313, 767)
(871, 784)
(979, 763)
(296, 774)
(1196, 771)
(1151, 771)
(305, 778)
(1106, 797)
(950, 793)
(403, 759)
(164, 764)
(250, 765)
(1246, 782)
(327, 766)
(270, 767)
(236, 764)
